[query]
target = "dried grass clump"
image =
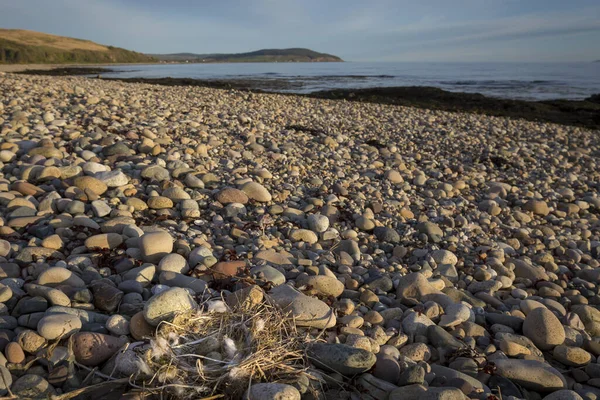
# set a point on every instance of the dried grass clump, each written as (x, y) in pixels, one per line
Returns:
(223, 353)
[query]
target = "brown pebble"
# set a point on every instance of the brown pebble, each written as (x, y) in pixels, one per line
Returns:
(231, 195)
(92, 349)
(373, 317)
(226, 269)
(14, 353)
(139, 328)
(26, 188)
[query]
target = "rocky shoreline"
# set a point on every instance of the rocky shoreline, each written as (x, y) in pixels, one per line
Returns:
(191, 242)
(66, 71)
(584, 113)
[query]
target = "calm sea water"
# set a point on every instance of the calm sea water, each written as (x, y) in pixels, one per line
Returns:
(528, 81)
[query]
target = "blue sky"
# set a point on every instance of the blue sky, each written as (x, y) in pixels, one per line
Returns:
(356, 30)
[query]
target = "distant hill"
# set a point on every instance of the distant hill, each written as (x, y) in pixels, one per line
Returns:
(28, 47)
(265, 55)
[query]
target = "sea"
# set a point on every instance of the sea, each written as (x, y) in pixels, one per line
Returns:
(525, 81)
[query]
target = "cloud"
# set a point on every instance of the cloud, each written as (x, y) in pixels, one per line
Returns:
(353, 29)
(436, 33)
(528, 26)
(137, 28)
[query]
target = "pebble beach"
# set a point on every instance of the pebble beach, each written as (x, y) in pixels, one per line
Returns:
(189, 242)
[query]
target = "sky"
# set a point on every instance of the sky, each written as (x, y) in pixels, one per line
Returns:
(356, 30)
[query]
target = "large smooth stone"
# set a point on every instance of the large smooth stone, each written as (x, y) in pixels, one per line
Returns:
(106, 297)
(322, 284)
(563, 395)
(173, 263)
(56, 326)
(103, 241)
(505, 386)
(572, 356)
(117, 224)
(139, 328)
(439, 337)
(54, 296)
(112, 179)
(525, 270)
(413, 287)
(349, 247)
(450, 373)
(538, 207)
(416, 324)
(419, 392)
(306, 310)
(543, 328)
(303, 235)
(272, 391)
(274, 258)
(9, 270)
(256, 191)
(60, 276)
(91, 183)
(318, 223)
(156, 173)
(341, 358)
(531, 374)
(174, 279)
(32, 387)
(432, 230)
(231, 195)
(92, 349)
(590, 317)
(387, 369)
(268, 273)
(165, 305)
(377, 388)
(143, 274)
(155, 245)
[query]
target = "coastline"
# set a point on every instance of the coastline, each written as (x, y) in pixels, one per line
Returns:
(583, 113)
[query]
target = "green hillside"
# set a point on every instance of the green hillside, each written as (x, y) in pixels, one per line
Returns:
(28, 47)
